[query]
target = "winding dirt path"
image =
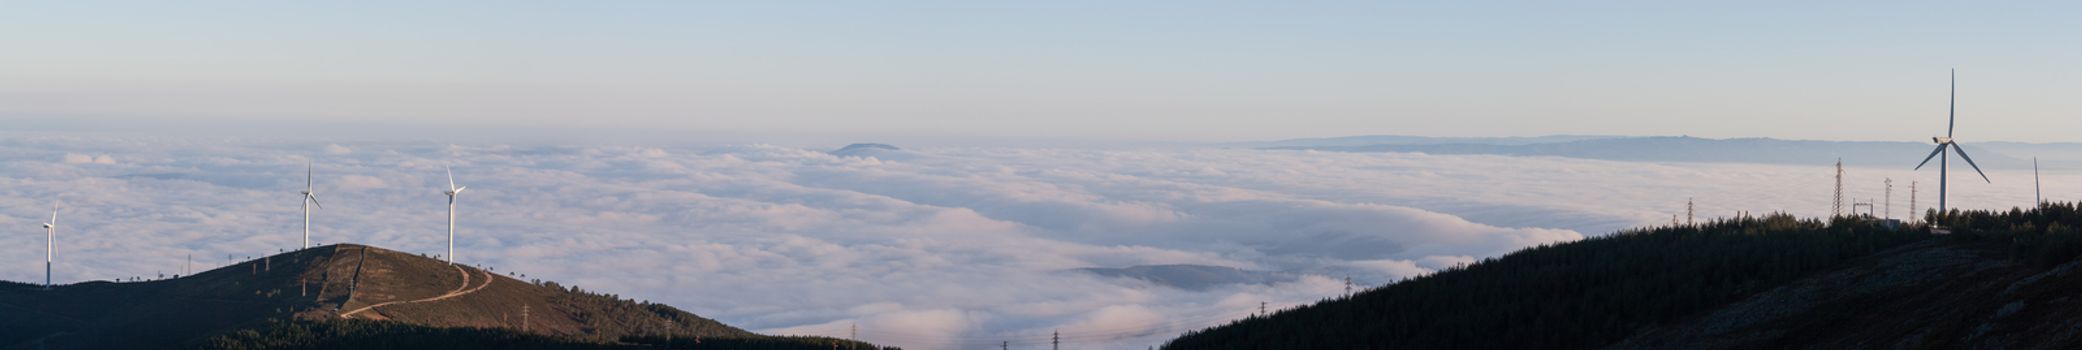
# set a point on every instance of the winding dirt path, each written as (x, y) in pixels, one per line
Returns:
(459, 291)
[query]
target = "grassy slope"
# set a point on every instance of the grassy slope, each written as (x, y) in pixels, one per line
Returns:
(392, 276)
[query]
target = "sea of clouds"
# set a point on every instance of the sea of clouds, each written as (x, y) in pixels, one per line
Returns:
(927, 248)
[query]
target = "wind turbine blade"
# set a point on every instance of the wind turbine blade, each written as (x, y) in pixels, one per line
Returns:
(307, 175)
(1952, 108)
(1933, 155)
(1970, 161)
(314, 200)
(451, 178)
(54, 214)
(459, 190)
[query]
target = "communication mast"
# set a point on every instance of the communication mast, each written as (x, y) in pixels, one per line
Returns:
(1688, 211)
(1912, 202)
(1836, 209)
(1890, 198)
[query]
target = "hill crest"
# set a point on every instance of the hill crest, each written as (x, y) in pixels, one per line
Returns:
(327, 283)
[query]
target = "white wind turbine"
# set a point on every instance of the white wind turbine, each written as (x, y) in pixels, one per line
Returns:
(452, 192)
(310, 199)
(1952, 119)
(50, 245)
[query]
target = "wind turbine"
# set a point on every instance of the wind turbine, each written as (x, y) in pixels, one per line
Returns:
(310, 199)
(453, 190)
(2037, 196)
(50, 245)
(1952, 115)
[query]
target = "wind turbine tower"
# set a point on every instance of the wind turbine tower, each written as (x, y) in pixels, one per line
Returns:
(50, 245)
(310, 200)
(1951, 121)
(452, 192)
(2037, 197)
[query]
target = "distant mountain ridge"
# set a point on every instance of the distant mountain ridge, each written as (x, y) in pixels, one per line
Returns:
(2009, 155)
(1372, 140)
(1191, 277)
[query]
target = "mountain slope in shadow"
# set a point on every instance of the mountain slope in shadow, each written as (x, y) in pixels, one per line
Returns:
(357, 287)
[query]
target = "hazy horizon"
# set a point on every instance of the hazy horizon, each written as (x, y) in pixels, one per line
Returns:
(262, 130)
(1151, 71)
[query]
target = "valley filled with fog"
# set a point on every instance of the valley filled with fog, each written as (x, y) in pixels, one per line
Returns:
(926, 248)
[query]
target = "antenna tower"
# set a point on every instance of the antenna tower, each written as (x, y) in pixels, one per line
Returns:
(1912, 202)
(1688, 211)
(1836, 209)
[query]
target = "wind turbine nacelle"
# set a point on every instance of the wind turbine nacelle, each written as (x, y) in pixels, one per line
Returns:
(46, 225)
(1941, 140)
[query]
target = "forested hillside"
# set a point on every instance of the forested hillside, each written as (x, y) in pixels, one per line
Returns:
(1597, 292)
(1573, 295)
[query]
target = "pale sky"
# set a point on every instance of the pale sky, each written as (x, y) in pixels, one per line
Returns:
(1177, 71)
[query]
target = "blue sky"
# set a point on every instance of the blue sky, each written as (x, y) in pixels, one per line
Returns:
(1189, 71)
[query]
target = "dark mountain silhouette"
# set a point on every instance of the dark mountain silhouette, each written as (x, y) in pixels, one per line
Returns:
(2004, 280)
(1905, 153)
(341, 296)
(1190, 277)
(860, 149)
(1371, 140)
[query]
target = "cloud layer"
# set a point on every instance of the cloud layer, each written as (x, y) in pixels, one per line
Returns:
(930, 249)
